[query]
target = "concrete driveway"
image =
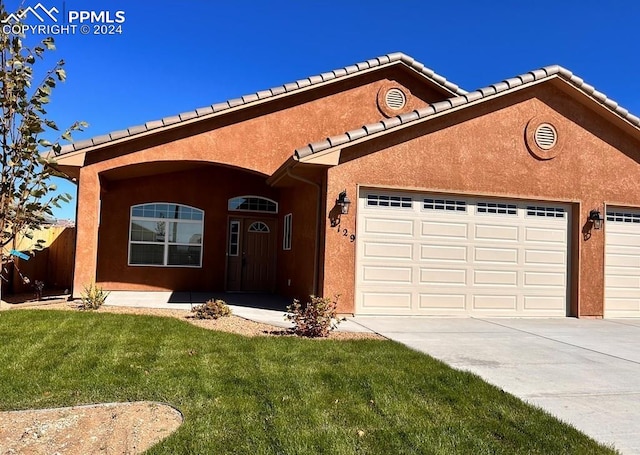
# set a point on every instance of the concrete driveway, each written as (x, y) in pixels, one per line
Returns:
(585, 372)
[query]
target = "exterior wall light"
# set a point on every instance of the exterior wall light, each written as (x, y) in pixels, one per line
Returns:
(595, 218)
(343, 202)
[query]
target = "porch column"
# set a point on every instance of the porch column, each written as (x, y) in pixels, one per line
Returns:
(87, 219)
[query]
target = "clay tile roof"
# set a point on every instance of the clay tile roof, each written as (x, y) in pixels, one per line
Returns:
(265, 94)
(482, 93)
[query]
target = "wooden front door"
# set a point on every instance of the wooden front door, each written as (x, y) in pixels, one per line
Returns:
(251, 253)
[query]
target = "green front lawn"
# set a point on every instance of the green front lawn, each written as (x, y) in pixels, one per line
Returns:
(268, 395)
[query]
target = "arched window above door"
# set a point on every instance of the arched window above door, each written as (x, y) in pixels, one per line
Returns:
(259, 226)
(252, 204)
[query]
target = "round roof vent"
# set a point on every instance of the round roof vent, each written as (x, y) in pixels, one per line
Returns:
(395, 99)
(546, 136)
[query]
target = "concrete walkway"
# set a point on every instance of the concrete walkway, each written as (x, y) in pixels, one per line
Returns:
(266, 308)
(585, 372)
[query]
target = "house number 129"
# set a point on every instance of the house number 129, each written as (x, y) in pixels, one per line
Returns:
(345, 233)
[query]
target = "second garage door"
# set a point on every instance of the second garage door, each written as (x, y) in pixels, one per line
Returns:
(425, 254)
(622, 263)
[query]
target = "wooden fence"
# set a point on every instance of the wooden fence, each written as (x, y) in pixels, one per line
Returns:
(53, 265)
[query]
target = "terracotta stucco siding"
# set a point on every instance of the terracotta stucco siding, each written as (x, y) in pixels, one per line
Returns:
(482, 150)
(258, 139)
(261, 138)
(297, 264)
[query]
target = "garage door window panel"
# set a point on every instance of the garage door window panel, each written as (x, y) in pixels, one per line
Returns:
(622, 217)
(548, 212)
(449, 205)
(496, 208)
(381, 200)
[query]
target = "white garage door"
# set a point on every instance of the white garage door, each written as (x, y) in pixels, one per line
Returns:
(424, 254)
(622, 263)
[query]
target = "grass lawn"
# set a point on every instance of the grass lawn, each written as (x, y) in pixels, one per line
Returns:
(276, 395)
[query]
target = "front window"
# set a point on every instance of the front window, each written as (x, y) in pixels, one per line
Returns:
(164, 234)
(286, 238)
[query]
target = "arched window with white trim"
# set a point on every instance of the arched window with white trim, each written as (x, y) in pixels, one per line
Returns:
(166, 235)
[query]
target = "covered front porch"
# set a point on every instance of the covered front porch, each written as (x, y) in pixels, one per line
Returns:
(176, 226)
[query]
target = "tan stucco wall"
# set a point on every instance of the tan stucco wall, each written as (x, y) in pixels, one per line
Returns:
(482, 150)
(257, 139)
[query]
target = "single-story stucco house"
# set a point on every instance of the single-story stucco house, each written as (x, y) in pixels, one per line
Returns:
(517, 199)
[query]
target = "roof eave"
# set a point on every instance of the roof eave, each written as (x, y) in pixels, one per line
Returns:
(625, 122)
(261, 97)
(557, 75)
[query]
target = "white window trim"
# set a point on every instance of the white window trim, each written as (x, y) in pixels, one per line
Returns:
(166, 242)
(231, 224)
(252, 211)
(286, 236)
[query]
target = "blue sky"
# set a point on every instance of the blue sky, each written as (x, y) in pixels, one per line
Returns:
(176, 56)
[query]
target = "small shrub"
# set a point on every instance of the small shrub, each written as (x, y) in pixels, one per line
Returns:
(213, 309)
(92, 297)
(316, 318)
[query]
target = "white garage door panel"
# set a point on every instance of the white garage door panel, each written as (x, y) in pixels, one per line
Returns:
(545, 257)
(622, 263)
(495, 302)
(544, 279)
(443, 303)
(446, 230)
(443, 253)
(385, 227)
(624, 305)
(495, 278)
(438, 255)
(621, 239)
(387, 300)
(548, 235)
(539, 303)
(496, 232)
(496, 255)
(388, 274)
(378, 250)
(452, 277)
(629, 282)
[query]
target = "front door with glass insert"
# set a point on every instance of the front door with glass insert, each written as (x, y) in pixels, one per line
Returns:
(251, 254)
